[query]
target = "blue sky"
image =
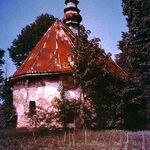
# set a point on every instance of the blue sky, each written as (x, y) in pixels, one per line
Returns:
(103, 18)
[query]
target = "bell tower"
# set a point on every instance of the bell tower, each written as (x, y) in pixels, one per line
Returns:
(72, 18)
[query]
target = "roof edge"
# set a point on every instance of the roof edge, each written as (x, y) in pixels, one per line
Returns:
(28, 75)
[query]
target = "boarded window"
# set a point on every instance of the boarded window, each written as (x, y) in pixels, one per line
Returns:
(32, 108)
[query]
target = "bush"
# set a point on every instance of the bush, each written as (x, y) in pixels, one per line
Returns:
(80, 112)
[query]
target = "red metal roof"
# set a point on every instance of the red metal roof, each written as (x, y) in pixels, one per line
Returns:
(51, 54)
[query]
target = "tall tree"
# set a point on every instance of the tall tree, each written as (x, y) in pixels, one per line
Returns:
(1, 70)
(28, 38)
(135, 59)
(1, 87)
(1, 64)
(9, 111)
(94, 82)
(6, 98)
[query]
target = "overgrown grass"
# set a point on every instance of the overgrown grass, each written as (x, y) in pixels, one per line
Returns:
(80, 140)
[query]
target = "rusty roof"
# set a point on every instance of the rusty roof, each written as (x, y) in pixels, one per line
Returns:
(52, 53)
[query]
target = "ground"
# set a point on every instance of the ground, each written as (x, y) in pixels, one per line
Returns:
(82, 140)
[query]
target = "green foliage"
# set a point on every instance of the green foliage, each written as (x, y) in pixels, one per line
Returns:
(86, 61)
(9, 111)
(96, 83)
(1, 70)
(28, 38)
(68, 110)
(1, 64)
(135, 59)
(81, 113)
(43, 119)
(1, 87)
(6, 98)
(2, 121)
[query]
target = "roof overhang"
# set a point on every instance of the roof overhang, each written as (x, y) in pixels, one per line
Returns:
(26, 76)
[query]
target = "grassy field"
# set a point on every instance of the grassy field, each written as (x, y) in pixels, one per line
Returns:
(81, 140)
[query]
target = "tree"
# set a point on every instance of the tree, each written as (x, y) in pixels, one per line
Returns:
(10, 116)
(1, 86)
(30, 35)
(1, 64)
(6, 97)
(95, 82)
(1, 70)
(135, 59)
(75, 111)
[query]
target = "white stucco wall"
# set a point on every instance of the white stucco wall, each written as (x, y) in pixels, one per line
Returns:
(41, 92)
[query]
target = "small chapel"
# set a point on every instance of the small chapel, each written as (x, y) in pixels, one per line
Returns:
(36, 82)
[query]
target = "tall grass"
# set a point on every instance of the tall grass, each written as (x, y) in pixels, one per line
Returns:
(78, 140)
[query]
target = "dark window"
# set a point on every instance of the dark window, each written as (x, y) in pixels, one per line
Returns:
(32, 108)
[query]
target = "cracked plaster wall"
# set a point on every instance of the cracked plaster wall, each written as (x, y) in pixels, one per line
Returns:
(42, 92)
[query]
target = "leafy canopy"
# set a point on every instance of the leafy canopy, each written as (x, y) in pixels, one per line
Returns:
(95, 82)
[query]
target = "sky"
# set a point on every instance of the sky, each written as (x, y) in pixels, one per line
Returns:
(102, 17)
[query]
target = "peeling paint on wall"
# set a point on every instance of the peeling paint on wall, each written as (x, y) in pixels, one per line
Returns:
(42, 92)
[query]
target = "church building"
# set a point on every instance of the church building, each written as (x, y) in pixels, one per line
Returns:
(37, 81)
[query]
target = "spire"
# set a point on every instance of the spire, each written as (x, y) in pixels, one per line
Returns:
(72, 18)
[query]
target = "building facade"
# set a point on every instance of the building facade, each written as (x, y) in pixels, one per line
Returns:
(36, 83)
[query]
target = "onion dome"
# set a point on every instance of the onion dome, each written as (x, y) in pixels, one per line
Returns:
(72, 18)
